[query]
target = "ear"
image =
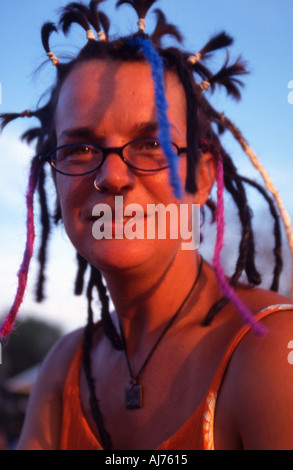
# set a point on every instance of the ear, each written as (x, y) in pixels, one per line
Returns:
(205, 177)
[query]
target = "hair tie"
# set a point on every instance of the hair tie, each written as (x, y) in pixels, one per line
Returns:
(53, 58)
(193, 59)
(26, 113)
(141, 24)
(90, 35)
(101, 36)
(204, 85)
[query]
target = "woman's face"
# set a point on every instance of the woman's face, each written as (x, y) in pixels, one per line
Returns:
(110, 104)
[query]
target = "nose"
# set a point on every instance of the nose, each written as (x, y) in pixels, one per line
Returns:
(114, 176)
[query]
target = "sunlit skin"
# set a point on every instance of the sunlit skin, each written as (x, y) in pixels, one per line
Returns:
(117, 115)
(110, 113)
(147, 280)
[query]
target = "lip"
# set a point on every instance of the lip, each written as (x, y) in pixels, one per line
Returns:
(116, 219)
(118, 228)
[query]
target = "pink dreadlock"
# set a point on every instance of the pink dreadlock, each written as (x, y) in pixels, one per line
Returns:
(227, 290)
(8, 323)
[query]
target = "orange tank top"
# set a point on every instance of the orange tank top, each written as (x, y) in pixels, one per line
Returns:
(197, 433)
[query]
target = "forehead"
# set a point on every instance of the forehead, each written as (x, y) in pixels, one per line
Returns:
(96, 92)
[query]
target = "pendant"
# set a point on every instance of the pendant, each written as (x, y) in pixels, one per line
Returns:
(133, 396)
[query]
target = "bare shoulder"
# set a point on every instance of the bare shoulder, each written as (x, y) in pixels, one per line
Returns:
(59, 357)
(43, 418)
(258, 388)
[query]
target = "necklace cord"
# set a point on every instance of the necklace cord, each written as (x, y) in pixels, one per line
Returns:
(95, 409)
(134, 380)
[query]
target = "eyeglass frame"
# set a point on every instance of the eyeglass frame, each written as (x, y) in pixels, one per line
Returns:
(105, 152)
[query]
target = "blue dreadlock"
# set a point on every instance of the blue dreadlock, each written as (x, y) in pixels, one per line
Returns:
(156, 63)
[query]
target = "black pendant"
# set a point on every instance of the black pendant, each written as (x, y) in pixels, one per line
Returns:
(133, 396)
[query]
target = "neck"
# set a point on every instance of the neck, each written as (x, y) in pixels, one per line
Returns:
(144, 304)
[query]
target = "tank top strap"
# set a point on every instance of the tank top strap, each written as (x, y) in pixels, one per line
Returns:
(210, 400)
(218, 377)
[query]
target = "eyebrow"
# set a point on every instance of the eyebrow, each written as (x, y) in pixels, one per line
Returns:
(84, 132)
(144, 128)
(140, 129)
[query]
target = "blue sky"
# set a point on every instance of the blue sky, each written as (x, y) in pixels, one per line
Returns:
(263, 36)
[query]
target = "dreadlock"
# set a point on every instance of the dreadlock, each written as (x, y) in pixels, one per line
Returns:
(95, 280)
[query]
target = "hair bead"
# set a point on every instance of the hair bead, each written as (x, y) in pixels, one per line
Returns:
(193, 59)
(102, 36)
(141, 24)
(90, 35)
(204, 85)
(26, 113)
(53, 58)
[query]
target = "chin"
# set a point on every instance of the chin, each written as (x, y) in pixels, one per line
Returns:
(133, 256)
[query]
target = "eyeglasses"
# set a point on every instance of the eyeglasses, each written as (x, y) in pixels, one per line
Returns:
(79, 159)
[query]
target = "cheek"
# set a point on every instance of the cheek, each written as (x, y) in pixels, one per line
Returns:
(182, 168)
(160, 182)
(73, 194)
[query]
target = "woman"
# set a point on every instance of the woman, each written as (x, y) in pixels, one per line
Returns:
(162, 370)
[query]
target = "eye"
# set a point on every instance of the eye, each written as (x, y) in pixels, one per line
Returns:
(75, 151)
(152, 144)
(147, 145)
